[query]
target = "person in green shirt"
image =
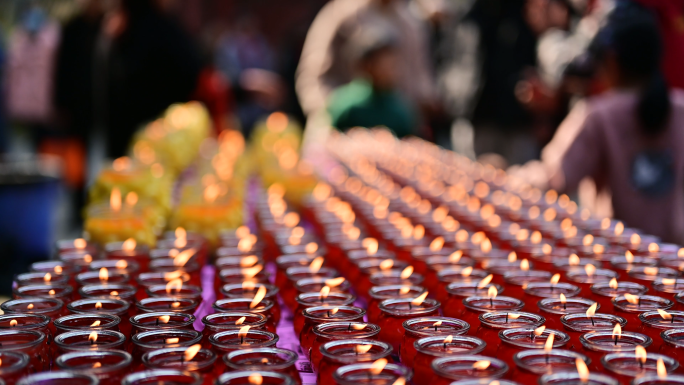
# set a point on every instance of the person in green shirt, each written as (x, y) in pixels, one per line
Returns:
(372, 98)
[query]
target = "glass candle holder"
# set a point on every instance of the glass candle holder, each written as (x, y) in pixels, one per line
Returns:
(201, 363)
(263, 359)
(390, 278)
(147, 341)
(323, 314)
(294, 274)
(668, 287)
(307, 300)
(454, 368)
(50, 307)
(653, 323)
(337, 354)
(421, 254)
(474, 306)
(246, 377)
(264, 307)
(622, 263)
(218, 322)
(565, 265)
(430, 348)
(584, 278)
(532, 364)
(116, 307)
(516, 281)
(597, 344)
(570, 378)
(168, 265)
(378, 294)
(679, 297)
(447, 276)
(553, 308)
(79, 244)
(163, 376)
(459, 290)
(161, 321)
(310, 285)
(250, 291)
(233, 262)
(366, 373)
(61, 292)
(112, 291)
(395, 311)
(80, 260)
(230, 340)
(516, 340)
(89, 340)
(129, 267)
(625, 366)
(417, 328)
(155, 278)
(13, 365)
(284, 262)
(23, 322)
(630, 307)
(651, 379)
(58, 378)
(604, 292)
(579, 323)
(185, 291)
(172, 304)
(102, 277)
(139, 254)
(30, 342)
(673, 343)
(648, 274)
(536, 291)
(90, 322)
(56, 268)
(492, 323)
(333, 331)
(108, 366)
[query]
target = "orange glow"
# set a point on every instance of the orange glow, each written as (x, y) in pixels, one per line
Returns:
(650, 270)
(661, 371)
(617, 332)
(174, 284)
(164, 319)
(592, 310)
(555, 278)
(98, 305)
(549, 214)
(260, 294)
(485, 281)
(613, 284)
(104, 274)
(437, 244)
(30, 306)
(13, 323)
(455, 256)
(58, 269)
(631, 298)
(605, 223)
(406, 273)
(629, 257)
(582, 369)
(51, 292)
(548, 345)
(291, 219)
(240, 320)
(619, 228)
(547, 249)
(538, 331)
(277, 122)
(371, 245)
(175, 304)
(92, 337)
(418, 232)
(251, 272)
(481, 365)
(47, 277)
(80, 243)
(94, 324)
(466, 271)
(419, 300)
(512, 256)
(131, 198)
(492, 292)
(87, 258)
(386, 264)
(334, 282)
(325, 291)
(121, 264)
(573, 260)
(114, 293)
(589, 269)
(588, 240)
(255, 379)
(129, 244)
(316, 264)
(362, 349)
(524, 265)
(486, 245)
(653, 248)
(462, 236)
(115, 199)
(169, 341)
(664, 314)
(635, 239)
(191, 352)
(536, 238)
(183, 257)
(311, 247)
(242, 232)
(640, 354)
(249, 261)
(404, 290)
(378, 366)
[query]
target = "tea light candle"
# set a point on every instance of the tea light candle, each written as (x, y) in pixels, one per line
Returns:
(192, 359)
(218, 322)
(54, 267)
(648, 274)
(532, 364)
(378, 294)
(245, 338)
(323, 314)
(492, 323)
(579, 323)
(474, 306)
(449, 369)
(308, 300)
(109, 366)
(250, 377)
(627, 365)
(102, 277)
(629, 306)
(536, 291)
(570, 378)
(264, 307)
(100, 305)
(589, 275)
(129, 251)
(516, 281)
(161, 321)
(31, 279)
(673, 343)
(517, 339)
(310, 285)
(429, 348)
(393, 312)
(654, 322)
(129, 267)
(671, 286)
(90, 322)
(148, 279)
(78, 244)
(417, 328)
(263, 359)
(80, 260)
(337, 354)
(50, 307)
(156, 376)
(554, 308)
(156, 304)
(146, 341)
(13, 366)
(377, 373)
(63, 293)
(89, 340)
(604, 292)
(596, 344)
(453, 275)
(651, 379)
(58, 377)
(332, 331)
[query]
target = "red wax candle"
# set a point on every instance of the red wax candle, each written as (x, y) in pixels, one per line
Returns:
(310, 285)
(294, 274)
(387, 278)
(172, 304)
(417, 328)
(161, 321)
(80, 260)
(421, 254)
(490, 324)
(307, 300)
(264, 307)
(40, 278)
(247, 377)
(284, 262)
(59, 377)
(438, 263)
(335, 331)
(573, 378)
(89, 340)
(185, 291)
(129, 267)
(579, 323)
(585, 277)
(604, 292)
(102, 277)
(201, 362)
(393, 313)
(147, 341)
(78, 244)
(452, 275)
(630, 307)
(629, 262)
(232, 262)
(337, 354)
(597, 344)
(654, 379)
(459, 290)
(169, 265)
(146, 280)
(564, 265)
(324, 314)
(475, 306)
(61, 292)
(454, 368)
(516, 340)
(49, 307)
(91, 322)
(366, 372)
(627, 365)
(249, 290)
(648, 274)
(218, 322)
(553, 308)
(515, 281)
(56, 268)
(156, 376)
(118, 291)
(367, 268)
(430, 348)
(264, 359)
(130, 252)
(30, 342)
(109, 366)
(378, 294)
(653, 323)
(13, 365)
(116, 307)
(532, 364)
(539, 290)
(673, 343)
(229, 340)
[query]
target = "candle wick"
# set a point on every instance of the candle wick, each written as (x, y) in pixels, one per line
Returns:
(410, 305)
(242, 340)
(349, 328)
(672, 320)
(445, 344)
(156, 323)
(506, 317)
(616, 340)
(547, 359)
(436, 327)
(592, 321)
(491, 302)
(565, 306)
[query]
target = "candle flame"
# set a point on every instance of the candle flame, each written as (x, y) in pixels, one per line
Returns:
(668, 281)
(311, 247)
(640, 354)
(562, 297)
(174, 284)
(406, 272)
(466, 271)
(121, 264)
(114, 293)
(598, 249)
(481, 365)
(400, 381)
(183, 257)
(536, 237)
(617, 331)
(316, 264)
(378, 366)
(664, 314)
(30, 306)
(171, 340)
(260, 294)
(129, 244)
(80, 243)
(88, 258)
(191, 352)
(573, 260)
(419, 300)
(13, 323)
(629, 257)
(592, 310)
(485, 281)
(524, 265)
(291, 219)
(97, 365)
(371, 245)
(661, 371)
(462, 236)
(448, 339)
(590, 269)
(492, 292)
(538, 331)
(650, 270)
(631, 298)
(635, 239)
(362, 349)
(245, 244)
(653, 247)
(98, 305)
(438, 323)
(164, 319)
(115, 199)
(588, 240)
(358, 326)
(619, 228)
(96, 323)
(613, 284)
(386, 264)
(104, 274)
(456, 256)
(58, 269)
(486, 245)
(249, 261)
(175, 304)
(255, 379)
(512, 256)
(548, 345)
(240, 320)
(325, 291)
(334, 282)
(242, 232)
(251, 272)
(605, 223)
(334, 311)
(547, 249)
(555, 279)
(404, 290)
(47, 277)
(92, 337)
(242, 333)
(418, 232)
(582, 369)
(437, 244)
(513, 315)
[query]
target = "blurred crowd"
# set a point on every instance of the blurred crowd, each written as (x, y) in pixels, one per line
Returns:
(578, 95)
